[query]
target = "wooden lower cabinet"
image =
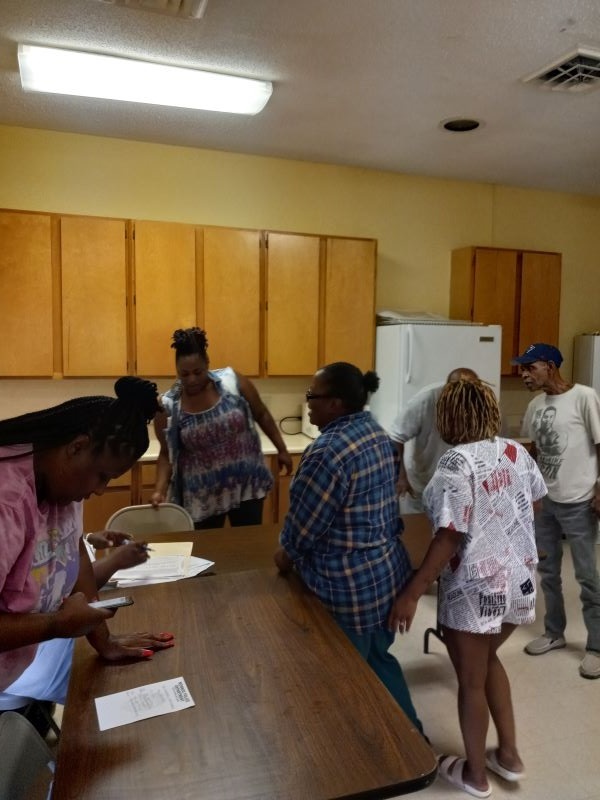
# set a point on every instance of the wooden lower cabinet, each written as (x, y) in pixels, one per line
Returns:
(146, 480)
(99, 508)
(282, 487)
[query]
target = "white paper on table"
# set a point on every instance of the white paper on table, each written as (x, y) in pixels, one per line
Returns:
(167, 560)
(132, 577)
(142, 702)
(198, 565)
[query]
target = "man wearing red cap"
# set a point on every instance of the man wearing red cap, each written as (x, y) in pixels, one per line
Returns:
(564, 423)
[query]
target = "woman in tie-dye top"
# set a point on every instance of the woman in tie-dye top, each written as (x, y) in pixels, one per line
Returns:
(210, 459)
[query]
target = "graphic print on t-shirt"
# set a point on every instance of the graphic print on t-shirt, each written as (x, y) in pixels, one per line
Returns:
(485, 490)
(551, 444)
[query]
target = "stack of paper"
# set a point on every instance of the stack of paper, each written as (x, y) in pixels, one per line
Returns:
(169, 561)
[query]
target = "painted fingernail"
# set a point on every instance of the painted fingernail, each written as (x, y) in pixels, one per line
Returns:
(166, 635)
(147, 653)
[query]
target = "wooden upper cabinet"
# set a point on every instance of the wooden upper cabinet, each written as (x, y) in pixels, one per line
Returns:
(497, 286)
(484, 289)
(292, 278)
(349, 306)
(230, 287)
(26, 301)
(540, 299)
(165, 292)
(94, 291)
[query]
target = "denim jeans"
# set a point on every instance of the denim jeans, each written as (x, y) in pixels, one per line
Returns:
(580, 525)
(374, 648)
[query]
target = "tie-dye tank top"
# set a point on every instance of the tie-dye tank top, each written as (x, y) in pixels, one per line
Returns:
(216, 454)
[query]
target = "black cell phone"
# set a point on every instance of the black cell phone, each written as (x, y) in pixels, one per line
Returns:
(114, 602)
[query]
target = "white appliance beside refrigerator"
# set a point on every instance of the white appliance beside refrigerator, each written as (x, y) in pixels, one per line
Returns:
(586, 360)
(414, 354)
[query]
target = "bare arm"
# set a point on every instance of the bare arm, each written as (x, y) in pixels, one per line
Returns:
(73, 618)
(263, 418)
(115, 648)
(121, 557)
(403, 486)
(442, 548)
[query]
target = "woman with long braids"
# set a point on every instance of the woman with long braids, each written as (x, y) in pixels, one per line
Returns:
(480, 501)
(210, 458)
(49, 462)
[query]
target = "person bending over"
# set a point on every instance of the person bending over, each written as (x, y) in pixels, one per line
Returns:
(49, 462)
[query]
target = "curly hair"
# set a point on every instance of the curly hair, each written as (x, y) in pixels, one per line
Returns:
(189, 342)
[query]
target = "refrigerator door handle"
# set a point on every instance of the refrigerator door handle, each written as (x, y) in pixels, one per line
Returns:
(409, 347)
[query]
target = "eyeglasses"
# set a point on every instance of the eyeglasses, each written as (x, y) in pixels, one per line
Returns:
(312, 396)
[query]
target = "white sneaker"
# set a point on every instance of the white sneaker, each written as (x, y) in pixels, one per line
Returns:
(590, 666)
(543, 644)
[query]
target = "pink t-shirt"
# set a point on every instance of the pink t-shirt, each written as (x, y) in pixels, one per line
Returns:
(39, 551)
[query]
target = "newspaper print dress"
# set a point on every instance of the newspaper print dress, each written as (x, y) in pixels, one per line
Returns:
(485, 490)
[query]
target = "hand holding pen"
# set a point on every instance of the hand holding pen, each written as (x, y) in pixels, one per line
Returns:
(102, 540)
(135, 553)
(143, 545)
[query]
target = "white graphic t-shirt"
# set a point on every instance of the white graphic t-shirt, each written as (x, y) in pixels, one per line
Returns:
(566, 428)
(486, 491)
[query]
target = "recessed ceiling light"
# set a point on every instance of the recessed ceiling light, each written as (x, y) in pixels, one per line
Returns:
(460, 125)
(49, 69)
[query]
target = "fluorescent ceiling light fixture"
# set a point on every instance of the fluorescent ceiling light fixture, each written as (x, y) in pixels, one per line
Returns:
(49, 69)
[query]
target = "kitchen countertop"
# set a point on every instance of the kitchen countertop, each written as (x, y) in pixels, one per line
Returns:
(295, 443)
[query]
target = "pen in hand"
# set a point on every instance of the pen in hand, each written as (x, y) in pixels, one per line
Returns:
(143, 546)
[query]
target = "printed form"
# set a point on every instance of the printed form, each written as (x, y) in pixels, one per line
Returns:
(143, 702)
(169, 561)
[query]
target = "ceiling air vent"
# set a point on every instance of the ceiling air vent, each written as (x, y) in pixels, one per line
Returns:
(188, 9)
(579, 71)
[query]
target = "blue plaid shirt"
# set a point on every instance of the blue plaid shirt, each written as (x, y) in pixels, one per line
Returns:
(342, 530)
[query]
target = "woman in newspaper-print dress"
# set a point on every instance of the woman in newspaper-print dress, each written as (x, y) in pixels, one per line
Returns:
(480, 501)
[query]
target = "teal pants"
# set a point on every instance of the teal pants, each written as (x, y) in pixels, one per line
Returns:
(374, 648)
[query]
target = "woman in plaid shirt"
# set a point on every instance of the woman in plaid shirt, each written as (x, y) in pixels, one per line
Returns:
(342, 532)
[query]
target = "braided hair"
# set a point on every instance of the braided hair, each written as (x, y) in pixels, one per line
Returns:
(190, 342)
(467, 411)
(121, 423)
(347, 382)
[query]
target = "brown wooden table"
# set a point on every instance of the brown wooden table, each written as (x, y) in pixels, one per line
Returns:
(285, 709)
(252, 547)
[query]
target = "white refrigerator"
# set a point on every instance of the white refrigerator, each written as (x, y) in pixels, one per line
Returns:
(586, 360)
(414, 354)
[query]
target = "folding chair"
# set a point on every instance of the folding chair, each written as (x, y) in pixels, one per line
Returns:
(26, 761)
(140, 520)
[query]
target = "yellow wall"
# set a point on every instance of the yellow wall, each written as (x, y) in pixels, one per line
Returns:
(417, 220)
